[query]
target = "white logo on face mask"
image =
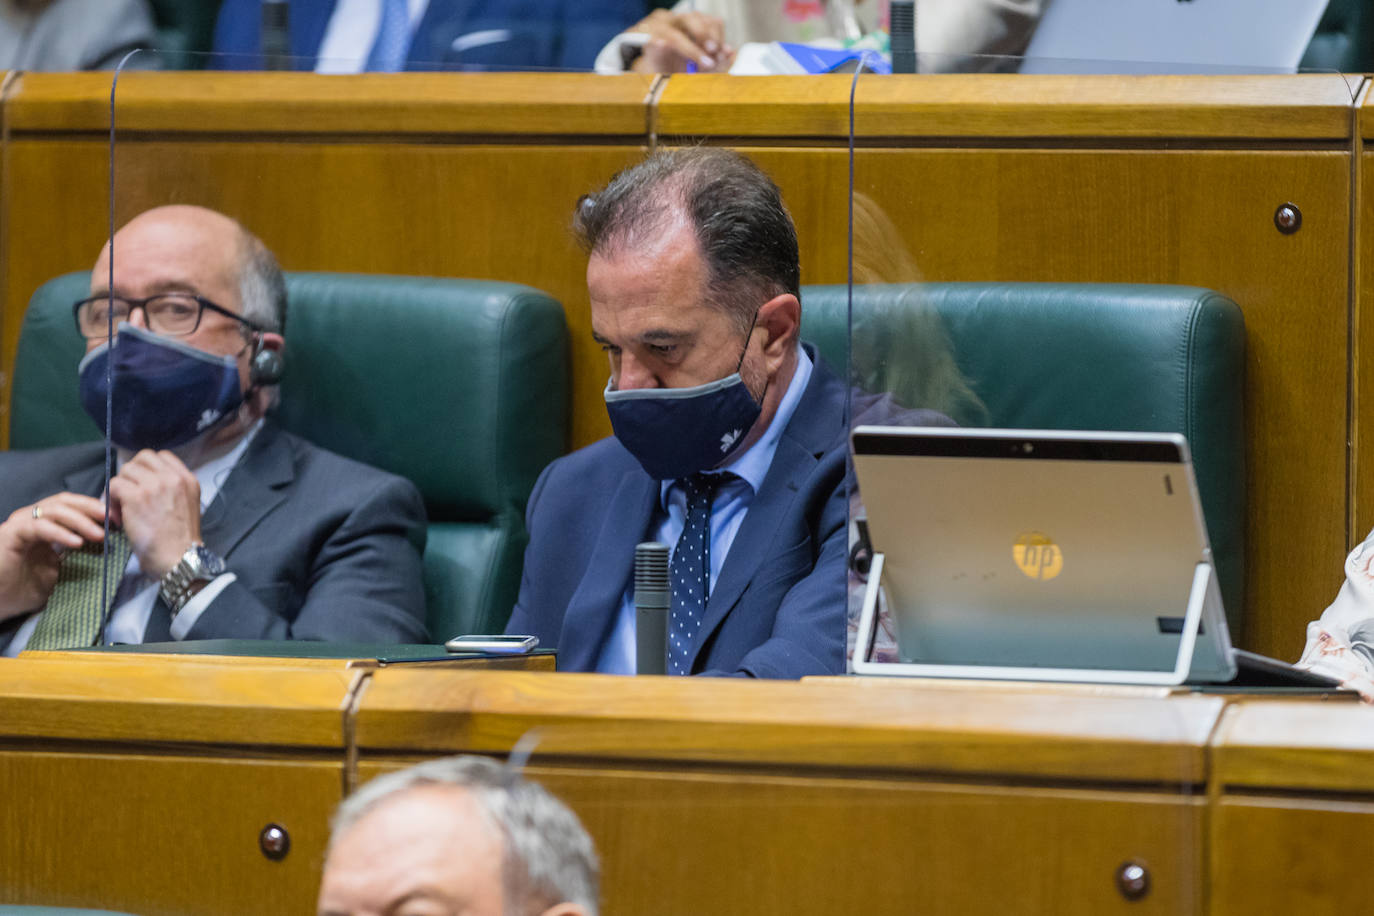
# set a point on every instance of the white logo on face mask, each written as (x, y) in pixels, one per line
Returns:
(728, 440)
(206, 419)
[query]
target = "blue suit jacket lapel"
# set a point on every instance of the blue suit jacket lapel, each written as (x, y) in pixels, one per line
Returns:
(594, 605)
(817, 422)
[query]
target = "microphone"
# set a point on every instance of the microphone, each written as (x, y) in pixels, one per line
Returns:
(902, 32)
(653, 598)
(276, 41)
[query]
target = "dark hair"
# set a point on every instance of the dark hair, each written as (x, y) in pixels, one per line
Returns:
(746, 235)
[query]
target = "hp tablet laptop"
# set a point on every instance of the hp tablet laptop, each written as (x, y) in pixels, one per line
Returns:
(1045, 555)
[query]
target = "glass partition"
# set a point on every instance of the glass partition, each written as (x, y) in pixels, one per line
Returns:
(1047, 274)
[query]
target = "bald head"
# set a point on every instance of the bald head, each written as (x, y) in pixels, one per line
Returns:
(185, 248)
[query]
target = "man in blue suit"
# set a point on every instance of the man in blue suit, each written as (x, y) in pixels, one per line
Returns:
(729, 438)
(434, 34)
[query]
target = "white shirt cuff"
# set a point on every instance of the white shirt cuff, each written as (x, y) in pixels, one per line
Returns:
(191, 610)
(611, 58)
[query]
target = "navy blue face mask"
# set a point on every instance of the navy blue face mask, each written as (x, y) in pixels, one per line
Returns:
(675, 432)
(166, 393)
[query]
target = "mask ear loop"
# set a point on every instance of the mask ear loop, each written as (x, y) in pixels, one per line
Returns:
(753, 323)
(742, 353)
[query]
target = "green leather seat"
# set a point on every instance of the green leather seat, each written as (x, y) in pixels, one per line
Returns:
(1343, 40)
(185, 32)
(459, 385)
(1077, 356)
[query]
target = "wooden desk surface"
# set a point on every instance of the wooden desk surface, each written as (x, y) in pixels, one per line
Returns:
(968, 789)
(397, 104)
(854, 723)
(175, 698)
(1309, 107)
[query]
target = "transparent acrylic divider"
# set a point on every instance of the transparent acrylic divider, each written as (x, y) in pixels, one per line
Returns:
(461, 176)
(1086, 254)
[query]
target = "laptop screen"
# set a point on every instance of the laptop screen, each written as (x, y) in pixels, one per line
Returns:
(1036, 550)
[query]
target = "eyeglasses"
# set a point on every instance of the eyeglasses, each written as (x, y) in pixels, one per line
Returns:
(172, 314)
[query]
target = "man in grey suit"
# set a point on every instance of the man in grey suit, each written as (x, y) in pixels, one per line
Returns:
(232, 527)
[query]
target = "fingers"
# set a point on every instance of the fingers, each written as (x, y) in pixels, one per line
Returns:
(676, 39)
(707, 31)
(148, 466)
(65, 519)
(158, 502)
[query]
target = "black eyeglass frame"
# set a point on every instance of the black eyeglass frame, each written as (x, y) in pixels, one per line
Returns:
(143, 304)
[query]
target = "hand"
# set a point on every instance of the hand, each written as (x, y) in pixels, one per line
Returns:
(28, 560)
(1362, 684)
(157, 501)
(676, 38)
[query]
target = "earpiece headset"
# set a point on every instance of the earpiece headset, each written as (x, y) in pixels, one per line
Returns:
(266, 366)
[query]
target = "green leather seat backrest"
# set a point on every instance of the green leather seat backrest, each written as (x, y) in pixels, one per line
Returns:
(185, 32)
(1075, 356)
(459, 385)
(1343, 40)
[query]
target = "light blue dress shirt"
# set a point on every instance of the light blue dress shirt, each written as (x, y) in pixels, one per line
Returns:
(728, 508)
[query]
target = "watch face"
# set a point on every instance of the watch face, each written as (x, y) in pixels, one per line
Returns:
(209, 565)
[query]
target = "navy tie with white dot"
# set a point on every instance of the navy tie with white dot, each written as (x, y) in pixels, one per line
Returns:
(690, 571)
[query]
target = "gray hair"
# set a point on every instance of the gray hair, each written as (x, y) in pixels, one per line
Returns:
(747, 237)
(547, 856)
(262, 289)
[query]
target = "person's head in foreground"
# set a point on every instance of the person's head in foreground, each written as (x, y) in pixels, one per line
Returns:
(460, 835)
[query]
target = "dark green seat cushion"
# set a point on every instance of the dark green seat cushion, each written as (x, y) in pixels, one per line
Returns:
(1068, 356)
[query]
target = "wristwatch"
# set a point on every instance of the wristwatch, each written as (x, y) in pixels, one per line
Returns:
(197, 567)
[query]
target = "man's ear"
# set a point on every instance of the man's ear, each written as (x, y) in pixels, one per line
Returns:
(780, 317)
(565, 909)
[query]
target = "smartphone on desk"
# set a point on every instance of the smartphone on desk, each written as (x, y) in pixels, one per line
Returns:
(498, 645)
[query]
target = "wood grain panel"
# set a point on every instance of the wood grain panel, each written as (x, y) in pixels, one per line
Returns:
(1312, 747)
(530, 104)
(1201, 218)
(690, 843)
(1011, 106)
(55, 212)
(1362, 362)
(1283, 855)
(483, 212)
(162, 836)
(851, 724)
(166, 699)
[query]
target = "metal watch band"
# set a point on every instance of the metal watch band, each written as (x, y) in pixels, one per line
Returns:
(197, 564)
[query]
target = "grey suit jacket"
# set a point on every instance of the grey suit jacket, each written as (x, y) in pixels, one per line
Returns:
(324, 548)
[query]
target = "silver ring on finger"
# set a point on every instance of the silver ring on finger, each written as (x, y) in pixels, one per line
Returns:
(37, 511)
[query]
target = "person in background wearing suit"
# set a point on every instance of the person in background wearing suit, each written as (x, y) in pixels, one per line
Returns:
(459, 836)
(729, 438)
(230, 527)
(349, 36)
